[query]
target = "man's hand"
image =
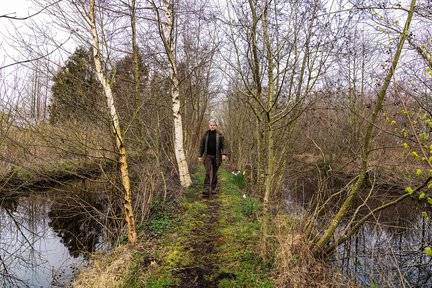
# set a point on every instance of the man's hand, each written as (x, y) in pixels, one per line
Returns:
(199, 159)
(224, 157)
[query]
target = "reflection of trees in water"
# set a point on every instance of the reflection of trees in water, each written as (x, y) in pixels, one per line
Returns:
(79, 217)
(82, 214)
(8, 203)
(388, 250)
(19, 232)
(390, 253)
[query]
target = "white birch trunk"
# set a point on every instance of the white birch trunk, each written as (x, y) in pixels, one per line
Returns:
(166, 28)
(127, 196)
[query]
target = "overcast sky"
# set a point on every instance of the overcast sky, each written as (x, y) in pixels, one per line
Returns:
(11, 8)
(18, 8)
(14, 77)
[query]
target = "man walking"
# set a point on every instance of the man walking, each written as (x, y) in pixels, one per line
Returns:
(213, 151)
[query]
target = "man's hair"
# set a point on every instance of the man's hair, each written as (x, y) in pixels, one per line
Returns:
(213, 121)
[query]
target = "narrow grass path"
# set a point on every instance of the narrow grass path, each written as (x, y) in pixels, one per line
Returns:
(194, 242)
(203, 247)
(210, 242)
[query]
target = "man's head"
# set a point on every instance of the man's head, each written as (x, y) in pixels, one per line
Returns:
(212, 124)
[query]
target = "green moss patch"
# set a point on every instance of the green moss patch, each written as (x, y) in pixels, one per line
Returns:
(202, 242)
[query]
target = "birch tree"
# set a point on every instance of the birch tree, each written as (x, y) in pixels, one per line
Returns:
(166, 24)
(102, 76)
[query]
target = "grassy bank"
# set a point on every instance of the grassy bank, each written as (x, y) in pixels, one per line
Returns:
(47, 174)
(195, 243)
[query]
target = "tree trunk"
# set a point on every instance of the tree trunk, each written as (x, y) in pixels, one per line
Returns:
(269, 137)
(325, 238)
(127, 196)
(166, 29)
(137, 76)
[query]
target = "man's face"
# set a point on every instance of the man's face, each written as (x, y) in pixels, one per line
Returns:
(212, 127)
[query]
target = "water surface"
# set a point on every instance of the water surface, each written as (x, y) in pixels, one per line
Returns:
(46, 235)
(388, 250)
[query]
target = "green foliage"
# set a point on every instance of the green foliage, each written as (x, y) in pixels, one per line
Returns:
(418, 128)
(249, 273)
(176, 255)
(240, 229)
(154, 280)
(428, 70)
(159, 224)
(428, 251)
(420, 123)
(250, 207)
(130, 278)
(124, 86)
(76, 92)
(238, 178)
(374, 283)
(161, 219)
(415, 155)
(162, 282)
(246, 280)
(409, 190)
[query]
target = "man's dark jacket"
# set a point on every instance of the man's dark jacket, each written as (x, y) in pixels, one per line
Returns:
(220, 146)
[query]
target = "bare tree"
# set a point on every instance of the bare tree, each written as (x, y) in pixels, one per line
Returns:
(278, 66)
(166, 23)
(324, 238)
(103, 78)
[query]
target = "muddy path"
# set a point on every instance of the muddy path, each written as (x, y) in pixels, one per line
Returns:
(203, 245)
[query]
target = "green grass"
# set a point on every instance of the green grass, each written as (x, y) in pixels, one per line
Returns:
(156, 226)
(238, 178)
(238, 228)
(131, 277)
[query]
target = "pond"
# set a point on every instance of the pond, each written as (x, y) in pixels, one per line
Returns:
(46, 235)
(388, 251)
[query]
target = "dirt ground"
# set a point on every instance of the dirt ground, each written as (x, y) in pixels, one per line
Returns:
(204, 247)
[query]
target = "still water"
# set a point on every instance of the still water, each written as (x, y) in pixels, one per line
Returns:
(387, 251)
(46, 235)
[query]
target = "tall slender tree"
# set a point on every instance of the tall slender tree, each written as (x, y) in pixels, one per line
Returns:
(115, 121)
(166, 24)
(137, 70)
(325, 237)
(276, 79)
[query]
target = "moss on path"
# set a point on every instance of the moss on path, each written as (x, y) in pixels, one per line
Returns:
(202, 247)
(198, 242)
(210, 242)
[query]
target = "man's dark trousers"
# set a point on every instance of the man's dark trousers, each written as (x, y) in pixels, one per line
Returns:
(210, 180)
